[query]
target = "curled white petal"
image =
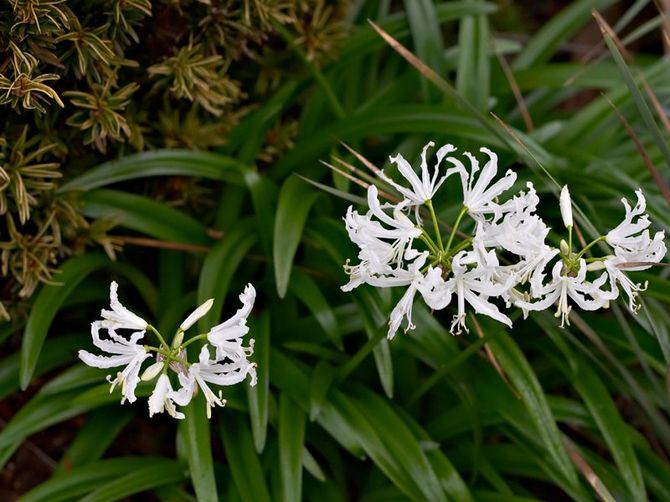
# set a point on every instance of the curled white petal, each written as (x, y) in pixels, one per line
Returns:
(227, 336)
(120, 317)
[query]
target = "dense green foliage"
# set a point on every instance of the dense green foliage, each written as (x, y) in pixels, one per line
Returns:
(340, 413)
(78, 85)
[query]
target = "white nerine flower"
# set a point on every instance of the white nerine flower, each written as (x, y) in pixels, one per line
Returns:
(382, 247)
(618, 278)
(632, 237)
(227, 336)
(163, 398)
(196, 314)
(422, 189)
(120, 317)
(475, 286)
(563, 286)
(480, 197)
(124, 352)
(566, 206)
(403, 309)
(207, 371)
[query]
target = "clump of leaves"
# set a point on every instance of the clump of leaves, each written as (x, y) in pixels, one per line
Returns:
(136, 75)
(191, 74)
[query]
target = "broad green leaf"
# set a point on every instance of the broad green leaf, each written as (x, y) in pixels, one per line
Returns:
(74, 483)
(639, 100)
(306, 289)
(526, 383)
(608, 421)
(145, 215)
(291, 445)
(427, 37)
(264, 197)
(259, 395)
(320, 383)
(558, 30)
(243, 460)
(473, 75)
(98, 433)
(295, 200)
(150, 475)
(198, 448)
(219, 268)
(47, 303)
(56, 352)
(159, 163)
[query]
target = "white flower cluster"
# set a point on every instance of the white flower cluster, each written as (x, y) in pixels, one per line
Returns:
(224, 361)
(504, 260)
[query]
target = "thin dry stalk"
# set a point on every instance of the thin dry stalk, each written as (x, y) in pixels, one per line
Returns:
(492, 358)
(362, 159)
(518, 96)
(653, 171)
(588, 472)
(157, 243)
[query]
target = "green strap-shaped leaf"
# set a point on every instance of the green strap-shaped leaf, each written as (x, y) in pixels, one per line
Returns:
(264, 194)
(76, 482)
(242, 459)
(151, 475)
(259, 395)
(557, 31)
(608, 420)
(474, 72)
(372, 311)
(145, 215)
(56, 352)
(220, 267)
(100, 430)
(427, 38)
(198, 448)
(295, 200)
(48, 301)
(307, 291)
(159, 163)
(525, 381)
(291, 445)
(639, 100)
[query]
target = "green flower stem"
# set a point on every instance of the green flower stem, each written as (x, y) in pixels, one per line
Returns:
(429, 242)
(570, 239)
(464, 244)
(158, 335)
(359, 356)
(448, 367)
(455, 227)
(191, 340)
(436, 226)
(589, 246)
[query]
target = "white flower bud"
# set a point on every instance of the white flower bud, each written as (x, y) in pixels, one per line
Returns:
(178, 339)
(594, 266)
(566, 207)
(563, 246)
(152, 371)
(196, 314)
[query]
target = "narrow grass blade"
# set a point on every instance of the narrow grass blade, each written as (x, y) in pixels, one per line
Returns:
(291, 444)
(295, 200)
(159, 163)
(144, 215)
(243, 460)
(47, 303)
(259, 395)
